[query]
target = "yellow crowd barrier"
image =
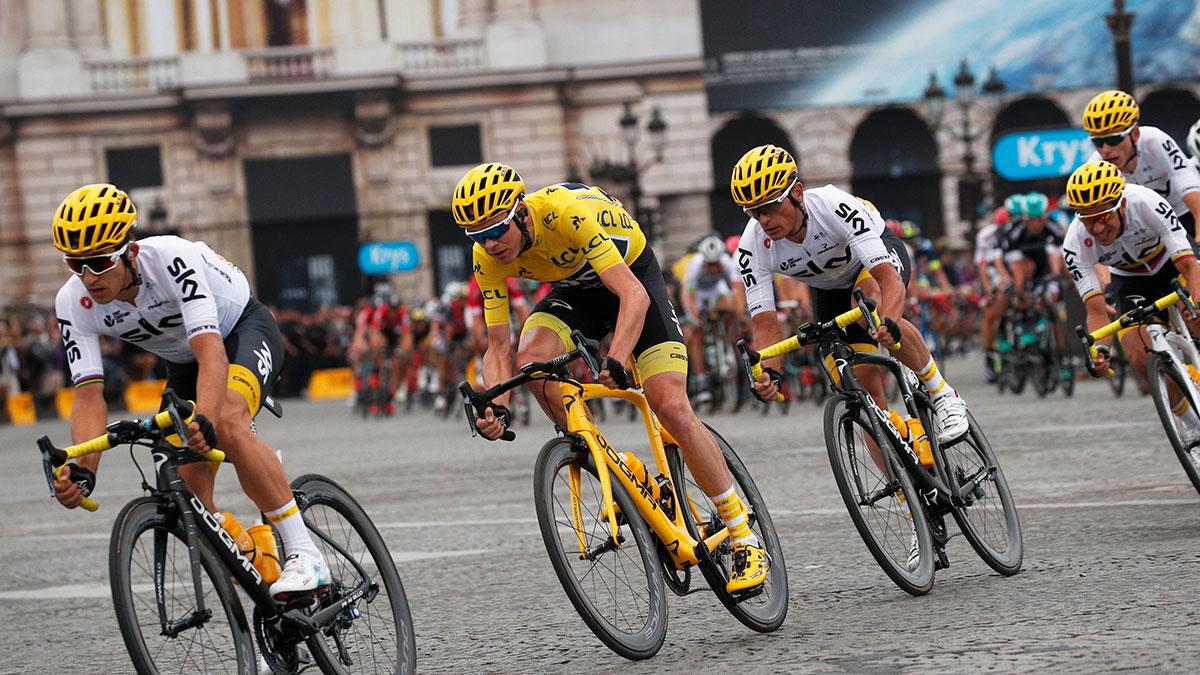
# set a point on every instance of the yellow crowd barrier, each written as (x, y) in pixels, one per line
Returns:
(63, 400)
(20, 408)
(330, 384)
(144, 396)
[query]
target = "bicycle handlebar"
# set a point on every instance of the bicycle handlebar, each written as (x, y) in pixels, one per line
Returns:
(178, 414)
(476, 403)
(810, 333)
(1137, 315)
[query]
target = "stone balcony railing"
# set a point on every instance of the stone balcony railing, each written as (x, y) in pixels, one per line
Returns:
(148, 75)
(135, 75)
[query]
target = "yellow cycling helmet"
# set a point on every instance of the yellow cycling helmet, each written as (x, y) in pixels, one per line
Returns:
(1110, 112)
(761, 175)
(486, 191)
(93, 218)
(1093, 184)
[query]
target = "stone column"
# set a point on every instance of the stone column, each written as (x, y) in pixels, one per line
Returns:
(85, 27)
(473, 17)
(202, 15)
(48, 25)
(49, 68)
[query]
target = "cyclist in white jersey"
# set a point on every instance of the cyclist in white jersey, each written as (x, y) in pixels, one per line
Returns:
(710, 282)
(1145, 155)
(1131, 230)
(181, 301)
(832, 241)
(994, 279)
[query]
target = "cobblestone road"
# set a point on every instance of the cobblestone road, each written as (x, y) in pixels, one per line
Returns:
(1112, 535)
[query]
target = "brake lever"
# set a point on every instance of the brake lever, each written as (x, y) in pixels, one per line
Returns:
(1184, 297)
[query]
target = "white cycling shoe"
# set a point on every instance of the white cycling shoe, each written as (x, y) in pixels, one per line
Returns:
(302, 573)
(952, 418)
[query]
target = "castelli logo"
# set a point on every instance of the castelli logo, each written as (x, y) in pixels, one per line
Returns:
(767, 243)
(1087, 241)
(86, 302)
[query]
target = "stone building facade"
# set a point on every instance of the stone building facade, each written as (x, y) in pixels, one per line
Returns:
(288, 132)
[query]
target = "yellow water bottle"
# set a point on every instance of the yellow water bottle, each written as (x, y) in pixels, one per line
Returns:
(240, 537)
(920, 442)
(267, 560)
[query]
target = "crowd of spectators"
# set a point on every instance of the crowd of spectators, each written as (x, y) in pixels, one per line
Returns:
(32, 358)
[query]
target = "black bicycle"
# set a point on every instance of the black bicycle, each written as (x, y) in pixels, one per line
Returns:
(897, 503)
(172, 568)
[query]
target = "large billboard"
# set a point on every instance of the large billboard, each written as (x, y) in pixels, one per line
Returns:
(762, 54)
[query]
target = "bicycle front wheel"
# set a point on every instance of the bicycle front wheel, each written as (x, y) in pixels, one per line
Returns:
(373, 634)
(989, 519)
(882, 501)
(766, 611)
(617, 588)
(149, 540)
(1163, 371)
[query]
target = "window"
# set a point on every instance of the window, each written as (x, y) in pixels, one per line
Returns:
(455, 146)
(132, 168)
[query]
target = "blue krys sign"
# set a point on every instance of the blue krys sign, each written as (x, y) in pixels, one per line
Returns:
(1046, 153)
(386, 257)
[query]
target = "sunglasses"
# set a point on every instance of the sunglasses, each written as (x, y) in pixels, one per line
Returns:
(1100, 217)
(96, 264)
(767, 207)
(1115, 139)
(495, 231)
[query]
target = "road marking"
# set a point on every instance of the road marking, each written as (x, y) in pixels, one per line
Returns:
(102, 591)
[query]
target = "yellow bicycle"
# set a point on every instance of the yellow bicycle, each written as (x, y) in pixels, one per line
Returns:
(615, 544)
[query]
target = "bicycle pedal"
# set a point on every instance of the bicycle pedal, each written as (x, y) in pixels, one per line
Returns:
(941, 561)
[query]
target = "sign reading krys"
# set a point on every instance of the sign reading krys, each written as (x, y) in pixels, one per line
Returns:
(388, 257)
(1045, 153)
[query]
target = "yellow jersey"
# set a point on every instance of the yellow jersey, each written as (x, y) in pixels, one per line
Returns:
(578, 233)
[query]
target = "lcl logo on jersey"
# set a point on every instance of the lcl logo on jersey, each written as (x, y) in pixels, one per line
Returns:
(188, 287)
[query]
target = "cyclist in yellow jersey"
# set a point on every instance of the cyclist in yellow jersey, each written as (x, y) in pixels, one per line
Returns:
(604, 280)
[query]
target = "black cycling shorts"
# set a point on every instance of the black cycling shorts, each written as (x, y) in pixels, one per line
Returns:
(593, 312)
(255, 351)
(827, 304)
(1130, 291)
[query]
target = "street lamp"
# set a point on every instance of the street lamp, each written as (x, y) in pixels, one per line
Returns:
(630, 170)
(970, 185)
(1119, 24)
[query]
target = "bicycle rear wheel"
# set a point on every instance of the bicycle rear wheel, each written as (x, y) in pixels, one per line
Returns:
(373, 634)
(617, 589)
(876, 497)
(989, 521)
(766, 611)
(1163, 370)
(148, 539)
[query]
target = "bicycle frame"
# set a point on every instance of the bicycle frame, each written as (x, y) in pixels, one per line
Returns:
(672, 532)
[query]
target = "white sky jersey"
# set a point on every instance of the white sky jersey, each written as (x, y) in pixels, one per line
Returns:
(987, 248)
(843, 237)
(187, 289)
(1162, 167)
(1152, 236)
(696, 276)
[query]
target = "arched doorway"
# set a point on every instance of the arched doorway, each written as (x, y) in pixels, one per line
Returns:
(895, 165)
(1172, 110)
(1031, 112)
(728, 146)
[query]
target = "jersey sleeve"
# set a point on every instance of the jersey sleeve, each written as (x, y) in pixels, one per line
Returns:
(81, 344)
(1080, 259)
(493, 286)
(589, 236)
(1184, 178)
(189, 285)
(754, 264)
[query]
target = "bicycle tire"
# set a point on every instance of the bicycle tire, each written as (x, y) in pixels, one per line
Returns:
(1018, 376)
(1067, 369)
(765, 612)
(1039, 374)
(319, 491)
(147, 514)
(1156, 366)
(972, 519)
(919, 580)
(645, 632)
(1117, 381)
